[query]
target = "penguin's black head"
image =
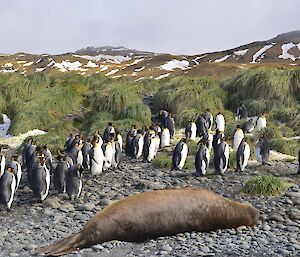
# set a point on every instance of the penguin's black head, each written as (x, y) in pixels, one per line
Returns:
(10, 169)
(110, 124)
(80, 168)
(183, 140)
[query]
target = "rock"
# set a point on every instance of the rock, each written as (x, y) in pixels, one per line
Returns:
(205, 249)
(105, 202)
(293, 194)
(52, 202)
(292, 228)
(266, 227)
(88, 206)
(166, 248)
(276, 217)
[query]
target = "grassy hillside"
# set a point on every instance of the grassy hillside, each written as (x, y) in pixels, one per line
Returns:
(65, 103)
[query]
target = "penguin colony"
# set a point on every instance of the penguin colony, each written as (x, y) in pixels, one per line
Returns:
(104, 152)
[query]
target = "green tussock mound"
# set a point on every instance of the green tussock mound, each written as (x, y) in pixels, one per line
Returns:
(162, 161)
(264, 185)
(187, 98)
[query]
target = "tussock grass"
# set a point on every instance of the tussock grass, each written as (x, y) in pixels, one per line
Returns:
(264, 185)
(188, 97)
(162, 161)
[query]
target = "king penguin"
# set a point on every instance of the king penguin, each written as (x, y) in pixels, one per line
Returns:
(179, 155)
(238, 136)
(201, 125)
(59, 174)
(74, 182)
(137, 145)
(152, 146)
(16, 166)
(170, 124)
(108, 155)
(261, 122)
(222, 157)
(242, 155)
(165, 138)
(40, 179)
(262, 151)
(241, 112)
(220, 122)
(209, 119)
(191, 130)
(86, 148)
(96, 159)
(2, 163)
(7, 187)
(117, 153)
(248, 126)
(202, 159)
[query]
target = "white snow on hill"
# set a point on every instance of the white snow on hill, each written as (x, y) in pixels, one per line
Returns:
(241, 52)
(28, 64)
(112, 72)
(175, 64)
(103, 67)
(117, 59)
(162, 76)
(224, 58)
(285, 54)
(195, 60)
(91, 64)
(135, 62)
(40, 69)
(65, 66)
(139, 69)
(261, 52)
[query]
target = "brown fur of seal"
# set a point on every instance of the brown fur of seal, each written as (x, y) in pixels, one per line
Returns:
(158, 213)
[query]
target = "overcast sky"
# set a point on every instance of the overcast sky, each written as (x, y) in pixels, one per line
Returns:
(173, 26)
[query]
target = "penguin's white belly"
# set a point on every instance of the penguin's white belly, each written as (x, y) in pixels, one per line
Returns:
(108, 158)
(184, 153)
(220, 122)
(237, 139)
(261, 123)
(2, 165)
(157, 142)
(47, 183)
(140, 145)
(246, 154)
(80, 188)
(165, 138)
(97, 161)
(193, 131)
(19, 175)
(12, 192)
(151, 150)
(79, 159)
(120, 140)
(223, 167)
(210, 140)
(257, 154)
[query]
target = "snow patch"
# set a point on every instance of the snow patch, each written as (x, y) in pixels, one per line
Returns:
(112, 72)
(224, 58)
(162, 76)
(65, 66)
(91, 64)
(139, 69)
(285, 54)
(241, 52)
(8, 65)
(40, 69)
(117, 59)
(141, 78)
(16, 141)
(103, 67)
(195, 60)
(261, 53)
(28, 64)
(135, 62)
(175, 64)
(21, 62)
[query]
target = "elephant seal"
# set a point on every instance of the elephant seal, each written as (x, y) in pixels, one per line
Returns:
(158, 213)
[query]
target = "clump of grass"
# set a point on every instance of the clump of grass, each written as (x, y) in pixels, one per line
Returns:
(162, 161)
(264, 185)
(188, 97)
(290, 147)
(192, 147)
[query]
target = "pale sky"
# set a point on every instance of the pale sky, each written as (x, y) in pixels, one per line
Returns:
(169, 26)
